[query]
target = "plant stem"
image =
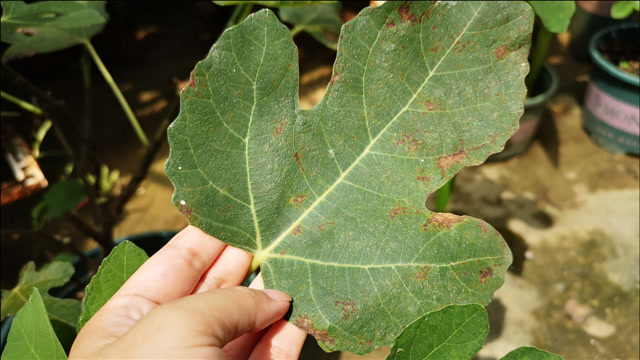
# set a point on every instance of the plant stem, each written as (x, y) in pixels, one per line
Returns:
(444, 194)
(116, 91)
(539, 54)
(296, 30)
(23, 104)
(240, 12)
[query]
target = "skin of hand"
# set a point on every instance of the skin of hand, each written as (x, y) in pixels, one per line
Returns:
(185, 303)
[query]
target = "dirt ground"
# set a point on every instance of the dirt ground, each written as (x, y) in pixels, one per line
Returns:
(568, 209)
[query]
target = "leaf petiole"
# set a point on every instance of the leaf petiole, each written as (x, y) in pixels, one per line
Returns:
(116, 91)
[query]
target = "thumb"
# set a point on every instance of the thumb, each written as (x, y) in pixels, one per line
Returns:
(223, 315)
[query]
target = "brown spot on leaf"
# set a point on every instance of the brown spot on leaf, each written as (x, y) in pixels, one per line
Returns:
(298, 200)
(306, 324)
(442, 220)
(424, 177)
(422, 273)
(283, 252)
(486, 273)
(407, 15)
(397, 210)
(186, 211)
(278, 128)
(391, 24)
(501, 52)
(299, 156)
(326, 226)
(192, 79)
(297, 230)
(348, 308)
(447, 161)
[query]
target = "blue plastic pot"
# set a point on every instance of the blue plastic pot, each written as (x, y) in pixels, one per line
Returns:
(612, 97)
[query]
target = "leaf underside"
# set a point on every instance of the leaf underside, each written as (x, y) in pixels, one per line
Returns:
(331, 200)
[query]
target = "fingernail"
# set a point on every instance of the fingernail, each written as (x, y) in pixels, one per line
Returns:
(277, 295)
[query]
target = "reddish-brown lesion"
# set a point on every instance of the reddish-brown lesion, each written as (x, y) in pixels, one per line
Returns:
(308, 325)
(442, 220)
(485, 274)
(298, 200)
(422, 273)
(348, 307)
(297, 230)
(397, 210)
(298, 156)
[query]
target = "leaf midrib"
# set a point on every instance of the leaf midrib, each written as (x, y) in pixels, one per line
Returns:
(263, 254)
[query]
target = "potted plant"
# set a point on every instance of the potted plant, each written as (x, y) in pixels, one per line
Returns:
(611, 100)
(542, 81)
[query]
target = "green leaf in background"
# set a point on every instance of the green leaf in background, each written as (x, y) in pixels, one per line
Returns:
(61, 197)
(555, 15)
(49, 26)
(454, 332)
(63, 314)
(116, 268)
(530, 353)
(274, 4)
(622, 9)
(331, 200)
(31, 335)
(51, 275)
(323, 22)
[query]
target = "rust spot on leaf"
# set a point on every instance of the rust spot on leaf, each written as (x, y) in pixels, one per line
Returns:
(440, 220)
(278, 128)
(424, 177)
(186, 211)
(299, 156)
(348, 308)
(501, 52)
(397, 210)
(192, 79)
(422, 273)
(326, 226)
(283, 252)
(407, 15)
(297, 230)
(306, 324)
(298, 200)
(391, 24)
(486, 273)
(447, 161)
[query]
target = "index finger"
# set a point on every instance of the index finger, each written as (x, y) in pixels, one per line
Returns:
(175, 270)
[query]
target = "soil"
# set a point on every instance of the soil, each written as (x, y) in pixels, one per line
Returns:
(568, 209)
(625, 54)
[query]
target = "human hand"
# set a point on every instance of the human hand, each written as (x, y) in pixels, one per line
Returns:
(185, 302)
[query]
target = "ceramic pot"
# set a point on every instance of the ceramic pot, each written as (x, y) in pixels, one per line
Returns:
(611, 101)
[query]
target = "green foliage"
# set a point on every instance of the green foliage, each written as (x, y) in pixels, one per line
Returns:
(623, 9)
(323, 22)
(51, 275)
(58, 199)
(116, 268)
(49, 26)
(331, 200)
(275, 4)
(454, 332)
(31, 335)
(555, 15)
(530, 353)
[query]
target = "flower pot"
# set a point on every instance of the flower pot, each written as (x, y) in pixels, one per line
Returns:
(534, 106)
(150, 242)
(611, 101)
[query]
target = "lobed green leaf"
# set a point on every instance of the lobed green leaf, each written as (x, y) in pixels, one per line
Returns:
(331, 200)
